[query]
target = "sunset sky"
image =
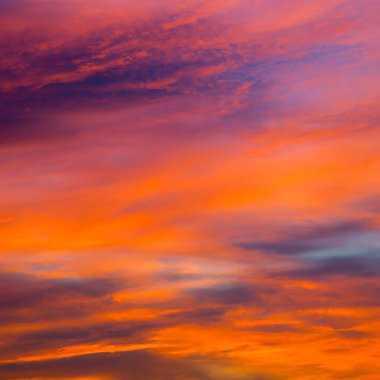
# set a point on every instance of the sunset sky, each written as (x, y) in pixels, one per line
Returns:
(190, 189)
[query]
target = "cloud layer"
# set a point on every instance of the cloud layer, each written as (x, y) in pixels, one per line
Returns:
(189, 190)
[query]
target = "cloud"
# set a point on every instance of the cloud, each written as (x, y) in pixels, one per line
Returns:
(229, 294)
(118, 65)
(55, 339)
(275, 328)
(134, 365)
(355, 266)
(200, 315)
(353, 334)
(308, 239)
(28, 297)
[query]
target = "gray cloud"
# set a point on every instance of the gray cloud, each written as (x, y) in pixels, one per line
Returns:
(308, 239)
(355, 266)
(136, 365)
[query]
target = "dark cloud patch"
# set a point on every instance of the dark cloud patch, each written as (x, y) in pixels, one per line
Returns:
(26, 128)
(25, 116)
(27, 297)
(202, 315)
(340, 229)
(60, 61)
(275, 328)
(21, 121)
(89, 94)
(134, 365)
(21, 291)
(354, 266)
(175, 276)
(25, 111)
(231, 294)
(23, 344)
(353, 334)
(332, 321)
(113, 66)
(308, 239)
(146, 71)
(282, 248)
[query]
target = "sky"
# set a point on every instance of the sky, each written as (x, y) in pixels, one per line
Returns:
(190, 190)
